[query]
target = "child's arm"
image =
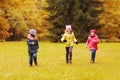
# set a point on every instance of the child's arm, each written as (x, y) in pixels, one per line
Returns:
(75, 40)
(63, 38)
(87, 43)
(96, 40)
(30, 42)
(31, 37)
(37, 44)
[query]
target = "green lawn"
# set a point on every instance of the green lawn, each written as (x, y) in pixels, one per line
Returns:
(51, 62)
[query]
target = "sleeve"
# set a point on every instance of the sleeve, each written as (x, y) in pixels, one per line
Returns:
(63, 38)
(37, 44)
(29, 42)
(87, 42)
(96, 40)
(75, 40)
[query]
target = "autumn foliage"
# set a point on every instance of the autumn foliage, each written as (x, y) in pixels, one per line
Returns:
(18, 16)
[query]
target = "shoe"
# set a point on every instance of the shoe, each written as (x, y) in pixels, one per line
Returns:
(66, 61)
(70, 62)
(92, 61)
(36, 64)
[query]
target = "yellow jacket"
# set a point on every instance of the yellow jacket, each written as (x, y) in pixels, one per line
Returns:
(70, 38)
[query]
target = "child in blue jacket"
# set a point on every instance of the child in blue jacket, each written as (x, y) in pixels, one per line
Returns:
(33, 46)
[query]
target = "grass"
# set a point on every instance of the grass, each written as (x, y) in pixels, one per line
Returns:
(51, 59)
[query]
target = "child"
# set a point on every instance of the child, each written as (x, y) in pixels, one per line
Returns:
(91, 43)
(33, 46)
(69, 38)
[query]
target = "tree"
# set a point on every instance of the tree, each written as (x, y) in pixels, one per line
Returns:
(23, 15)
(82, 14)
(110, 17)
(4, 27)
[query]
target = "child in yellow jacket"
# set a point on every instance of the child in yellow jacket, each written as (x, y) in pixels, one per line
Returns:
(69, 38)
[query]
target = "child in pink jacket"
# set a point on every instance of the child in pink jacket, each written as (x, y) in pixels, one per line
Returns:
(91, 43)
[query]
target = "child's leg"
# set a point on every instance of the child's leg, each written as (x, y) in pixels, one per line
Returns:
(93, 53)
(67, 52)
(70, 53)
(35, 58)
(30, 58)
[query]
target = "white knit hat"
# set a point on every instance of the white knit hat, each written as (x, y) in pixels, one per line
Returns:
(68, 27)
(32, 31)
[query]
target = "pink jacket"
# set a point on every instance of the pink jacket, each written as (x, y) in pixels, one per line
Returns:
(92, 42)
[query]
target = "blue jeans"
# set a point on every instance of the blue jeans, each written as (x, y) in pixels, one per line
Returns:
(32, 56)
(93, 53)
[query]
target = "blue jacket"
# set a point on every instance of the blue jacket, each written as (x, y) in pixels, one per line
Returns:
(32, 46)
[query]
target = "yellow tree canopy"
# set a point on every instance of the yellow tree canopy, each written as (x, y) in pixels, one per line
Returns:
(111, 18)
(4, 27)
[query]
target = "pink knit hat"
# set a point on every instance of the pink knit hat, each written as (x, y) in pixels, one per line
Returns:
(92, 30)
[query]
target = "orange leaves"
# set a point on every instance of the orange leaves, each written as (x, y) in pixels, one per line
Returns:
(110, 17)
(4, 27)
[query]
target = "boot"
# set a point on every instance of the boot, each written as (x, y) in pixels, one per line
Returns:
(70, 62)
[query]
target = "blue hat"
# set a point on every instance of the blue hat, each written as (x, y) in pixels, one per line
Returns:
(32, 31)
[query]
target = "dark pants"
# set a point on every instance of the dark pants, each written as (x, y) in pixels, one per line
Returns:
(93, 54)
(69, 54)
(32, 56)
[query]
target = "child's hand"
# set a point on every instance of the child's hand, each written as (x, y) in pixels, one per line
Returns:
(87, 46)
(64, 40)
(76, 43)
